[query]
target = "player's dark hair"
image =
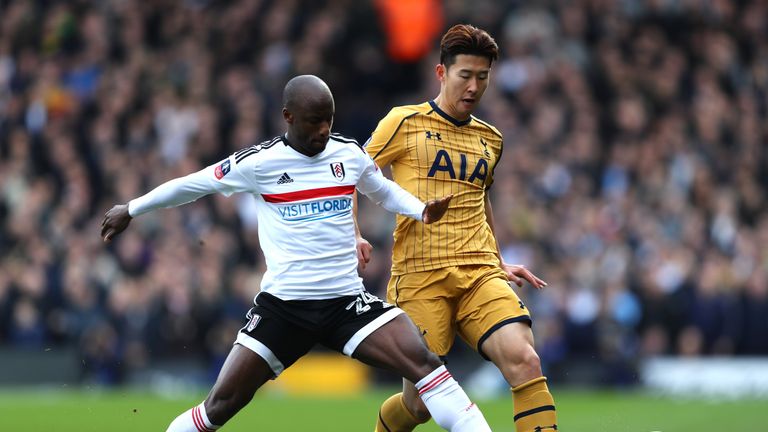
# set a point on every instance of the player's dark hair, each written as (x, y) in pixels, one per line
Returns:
(467, 39)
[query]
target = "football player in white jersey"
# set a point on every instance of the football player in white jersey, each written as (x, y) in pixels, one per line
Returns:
(303, 183)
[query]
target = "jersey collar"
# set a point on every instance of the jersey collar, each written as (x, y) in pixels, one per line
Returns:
(443, 114)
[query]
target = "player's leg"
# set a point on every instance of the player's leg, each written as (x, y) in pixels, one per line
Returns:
(492, 318)
(265, 346)
(402, 411)
(511, 349)
(397, 346)
(416, 294)
(242, 374)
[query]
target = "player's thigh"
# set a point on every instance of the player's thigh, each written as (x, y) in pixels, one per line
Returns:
(397, 346)
(243, 373)
(511, 349)
(375, 332)
(488, 306)
(273, 337)
(427, 299)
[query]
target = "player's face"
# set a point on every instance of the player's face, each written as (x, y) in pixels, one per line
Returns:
(309, 126)
(462, 84)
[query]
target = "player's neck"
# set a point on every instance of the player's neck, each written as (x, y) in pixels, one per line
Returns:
(292, 144)
(449, 110)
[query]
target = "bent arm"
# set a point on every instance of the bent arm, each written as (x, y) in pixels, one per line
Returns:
(491, 223)
(390, 195)
(364, 248)
(515, 273)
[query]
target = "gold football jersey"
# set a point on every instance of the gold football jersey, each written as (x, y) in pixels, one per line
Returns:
(433, 155)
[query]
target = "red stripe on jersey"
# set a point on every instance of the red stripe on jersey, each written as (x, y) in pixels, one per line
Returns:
(309, 194)
(436, 381)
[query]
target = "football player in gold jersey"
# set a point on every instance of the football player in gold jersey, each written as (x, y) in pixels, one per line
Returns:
(449, 277)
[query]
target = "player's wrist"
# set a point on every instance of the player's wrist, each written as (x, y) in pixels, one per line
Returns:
(128, 209)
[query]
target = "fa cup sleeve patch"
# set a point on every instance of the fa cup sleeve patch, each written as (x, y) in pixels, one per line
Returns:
(222, 169)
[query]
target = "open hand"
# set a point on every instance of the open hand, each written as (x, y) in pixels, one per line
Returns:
(435, 209)
(516, 274)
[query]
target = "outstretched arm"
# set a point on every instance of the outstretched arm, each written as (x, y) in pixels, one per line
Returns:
(515, 273)
(174, 193)
(394, 198)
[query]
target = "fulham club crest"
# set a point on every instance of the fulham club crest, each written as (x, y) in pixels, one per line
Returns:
(337, 168)
(255, 318)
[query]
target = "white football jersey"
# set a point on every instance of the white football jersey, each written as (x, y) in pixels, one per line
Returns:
(304, 210)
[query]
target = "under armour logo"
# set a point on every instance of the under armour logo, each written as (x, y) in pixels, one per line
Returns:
(433, 135)
(520, 302)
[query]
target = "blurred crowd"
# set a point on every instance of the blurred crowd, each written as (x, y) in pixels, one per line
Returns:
(633, 178)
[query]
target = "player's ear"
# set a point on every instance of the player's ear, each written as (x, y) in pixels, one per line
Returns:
(287, 116)
(440, 71)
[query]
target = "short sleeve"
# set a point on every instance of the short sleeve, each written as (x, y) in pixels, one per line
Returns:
(386, 143)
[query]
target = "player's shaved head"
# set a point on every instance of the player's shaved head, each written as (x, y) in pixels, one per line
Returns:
(308, 109)
(306, 90)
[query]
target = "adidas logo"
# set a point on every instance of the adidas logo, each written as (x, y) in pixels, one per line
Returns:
(285, 178)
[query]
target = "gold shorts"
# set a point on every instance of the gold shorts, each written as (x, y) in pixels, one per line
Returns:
(473, 300)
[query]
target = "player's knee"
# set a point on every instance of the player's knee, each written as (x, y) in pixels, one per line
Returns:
(222, 407)
(432, 360)
(427, 361)
(521, 363)
(420, 363)
(531, 362)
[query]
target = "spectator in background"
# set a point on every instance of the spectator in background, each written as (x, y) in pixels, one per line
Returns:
(634, 134)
